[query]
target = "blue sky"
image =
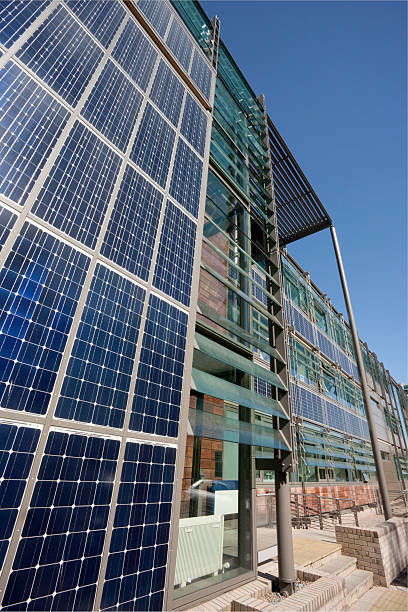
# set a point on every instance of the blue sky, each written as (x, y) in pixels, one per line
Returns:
(334, 78)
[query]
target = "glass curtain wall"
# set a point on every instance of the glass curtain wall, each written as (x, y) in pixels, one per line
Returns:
(235, 399)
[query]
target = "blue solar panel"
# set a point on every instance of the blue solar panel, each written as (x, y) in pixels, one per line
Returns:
(194, 124)
(135, 54)
(102, 18)
(76, 193)
(7, 221)
(40, 285)
(136, 570)
(327, 346)
(113, 106)
(18, 444)
(256, 291)
(62, 54)
(30, 122)
(153, 146)
(58, 558)
(16, 16)
(174, 265)
(167, 92)
(180, 44)
(336, 416)
(157, 13)
(157, 395)
(132, 228)
(307, 404)
(97, 381)
(186, 178)
(201, 74)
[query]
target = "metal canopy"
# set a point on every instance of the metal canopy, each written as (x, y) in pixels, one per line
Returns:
(299, 211)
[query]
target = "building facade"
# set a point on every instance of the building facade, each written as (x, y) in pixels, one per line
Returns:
(162, 360)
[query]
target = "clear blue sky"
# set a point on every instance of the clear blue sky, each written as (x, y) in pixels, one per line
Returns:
(334, 77)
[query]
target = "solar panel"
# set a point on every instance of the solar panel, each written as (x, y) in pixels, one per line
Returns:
(186, 178)
(136, 569)
(62, 54)
(157, 393)
(135, 54)
(201, 74)
(18, 444)
(180, 44)
(76, 193)
(157, 13)
(7, 221)
(40, 283)
(97, 381)
(31, 122)
(102, 18)
(132, 228)
(153, 145)
(57, 562)
(167, 93)
(194, 125)
(16, 16)
(175, 257)
(113, 106)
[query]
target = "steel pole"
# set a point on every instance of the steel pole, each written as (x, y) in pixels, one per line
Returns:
(286, 562)
(366, 394)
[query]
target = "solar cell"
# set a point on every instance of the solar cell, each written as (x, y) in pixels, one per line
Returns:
(97, 381)
(175, 257)
(157, 393)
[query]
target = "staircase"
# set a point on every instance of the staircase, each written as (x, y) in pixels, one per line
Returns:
(356, 582)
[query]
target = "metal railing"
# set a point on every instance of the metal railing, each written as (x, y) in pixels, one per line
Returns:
(311, 511)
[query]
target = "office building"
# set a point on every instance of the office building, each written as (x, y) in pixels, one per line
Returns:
(145, 393)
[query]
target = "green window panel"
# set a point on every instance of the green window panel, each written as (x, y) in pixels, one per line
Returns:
(222, 389)
(219, 427)
(213, 349)
(235, 330)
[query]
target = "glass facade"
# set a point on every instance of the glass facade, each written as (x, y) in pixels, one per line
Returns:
(103, 158)
(143, 386)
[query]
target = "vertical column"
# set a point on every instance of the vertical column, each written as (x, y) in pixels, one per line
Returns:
(366, 394)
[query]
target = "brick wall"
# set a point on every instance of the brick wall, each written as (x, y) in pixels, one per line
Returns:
(383, 549)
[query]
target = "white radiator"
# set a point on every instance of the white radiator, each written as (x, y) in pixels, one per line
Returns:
(199, 550)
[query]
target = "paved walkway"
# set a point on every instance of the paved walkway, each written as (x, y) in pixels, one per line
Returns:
(382, 600)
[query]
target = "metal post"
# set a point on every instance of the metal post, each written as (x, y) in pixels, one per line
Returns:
(286, 564)
(366, 395)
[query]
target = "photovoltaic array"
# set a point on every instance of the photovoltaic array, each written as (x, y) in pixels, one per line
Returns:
(31, 121)
(113, 106)
(137, 559)
(40, 285)
(167, 93)
(179, 43)
(18, 444)
(76, 193)
(17, 16)
(153, 146)
(97, 381)
(102, 18)
(157, 394)
(175, 257)
(89, 97)
(62, 54)
(58, 557)
(129, 239)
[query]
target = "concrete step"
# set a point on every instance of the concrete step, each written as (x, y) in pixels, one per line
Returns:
(357, 584)
(338, 566)
(368, 600)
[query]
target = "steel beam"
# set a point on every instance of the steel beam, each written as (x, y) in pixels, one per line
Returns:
(364, 388)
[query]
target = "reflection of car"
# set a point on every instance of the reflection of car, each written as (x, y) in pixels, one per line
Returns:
(199, 490)
(219, 496)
